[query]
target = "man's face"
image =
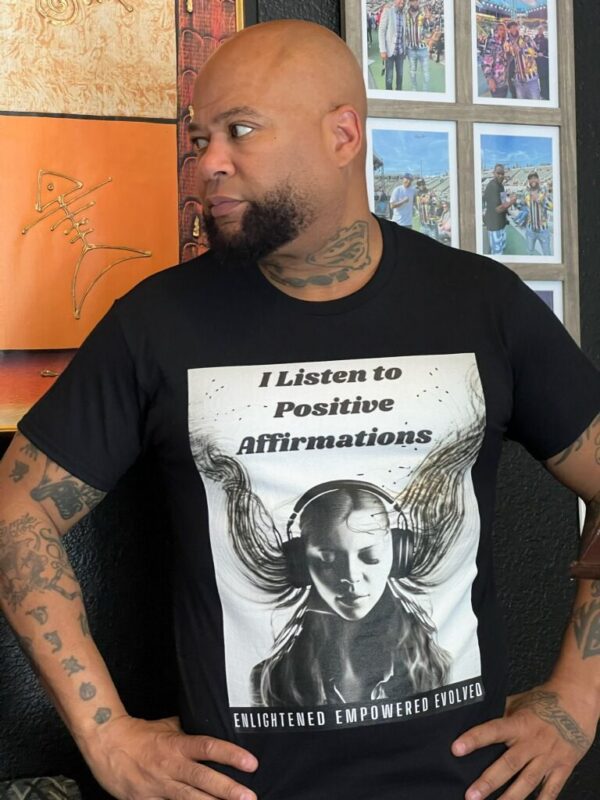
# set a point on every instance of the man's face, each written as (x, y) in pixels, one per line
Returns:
(349, 564)
(534, 184)
(399, 4)
(259, 162)
(541, 31)
(406, 182)
(414, 5)
(499, 174)
(513, 30)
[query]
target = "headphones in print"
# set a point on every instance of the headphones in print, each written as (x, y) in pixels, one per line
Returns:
(293, 548)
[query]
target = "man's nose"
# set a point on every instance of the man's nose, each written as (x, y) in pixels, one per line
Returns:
(215, 161)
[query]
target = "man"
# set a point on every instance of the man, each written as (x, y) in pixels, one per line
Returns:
(538, 204)
(495, 62)
(392, 44)
(495, 211)
(543, 61)
(402, 201)
(426, 209)
(315, 346)
(523, 55)
(416, 43)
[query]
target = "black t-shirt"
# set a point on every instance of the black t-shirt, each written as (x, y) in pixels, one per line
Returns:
(492, 198)
(331, 471)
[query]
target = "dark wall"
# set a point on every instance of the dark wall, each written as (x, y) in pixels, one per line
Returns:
(127, 587)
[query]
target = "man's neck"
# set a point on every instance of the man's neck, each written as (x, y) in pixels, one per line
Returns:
(341, 265)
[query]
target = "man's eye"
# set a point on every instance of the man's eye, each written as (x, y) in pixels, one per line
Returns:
(238, 130)
(200, 144)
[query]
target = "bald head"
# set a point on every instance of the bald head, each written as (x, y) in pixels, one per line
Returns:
(305, 62)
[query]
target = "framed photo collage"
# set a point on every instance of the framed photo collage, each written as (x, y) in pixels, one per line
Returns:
(472, 124)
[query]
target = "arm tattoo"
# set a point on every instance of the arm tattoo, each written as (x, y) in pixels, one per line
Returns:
(586, 624)
(83, 621)
(30, 451)
(54, 639)
(40, 614)
(19, 471)
(72, 666)
(32, 558)
(69, 495)
(87, 691)
(578, 443)
(102, 715)
(545, 705)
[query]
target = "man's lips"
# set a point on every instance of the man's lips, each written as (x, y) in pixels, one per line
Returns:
(221, 206)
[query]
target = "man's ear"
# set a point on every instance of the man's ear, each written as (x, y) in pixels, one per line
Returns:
(346, 133)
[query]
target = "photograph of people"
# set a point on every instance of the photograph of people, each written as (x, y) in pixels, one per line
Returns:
(413, 180)
(408, 49)
(514, 59)
(518, 196)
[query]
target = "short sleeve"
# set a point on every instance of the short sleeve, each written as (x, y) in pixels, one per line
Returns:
(556, 388)
(91, 420)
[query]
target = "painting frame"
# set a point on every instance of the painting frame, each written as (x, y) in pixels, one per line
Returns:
(26, 374)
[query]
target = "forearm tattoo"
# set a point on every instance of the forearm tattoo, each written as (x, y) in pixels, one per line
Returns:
(545, 705)
(32, 558)
(586, 624)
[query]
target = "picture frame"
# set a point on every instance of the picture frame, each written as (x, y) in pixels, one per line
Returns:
(528, 158)
(515, 53)
(425, 150)
(551, 292)
(426, 72)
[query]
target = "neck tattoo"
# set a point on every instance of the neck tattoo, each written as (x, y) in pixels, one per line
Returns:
(346, 252)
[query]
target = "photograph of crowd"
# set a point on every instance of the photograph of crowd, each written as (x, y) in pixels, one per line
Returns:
(408, 49)
(518, 193)
(514, 57)
(412, 179)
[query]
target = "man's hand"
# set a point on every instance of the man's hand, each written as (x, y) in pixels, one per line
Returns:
(492, 84)
(383, 56)
(546, 731)
(135, 759)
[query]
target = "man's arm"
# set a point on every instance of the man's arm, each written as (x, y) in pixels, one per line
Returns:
(550, 728)
(41, 598)
(383, 23)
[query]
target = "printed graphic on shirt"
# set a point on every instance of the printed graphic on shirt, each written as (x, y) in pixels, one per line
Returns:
(344, 530)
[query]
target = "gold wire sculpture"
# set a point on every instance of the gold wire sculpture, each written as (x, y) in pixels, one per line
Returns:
(48, 203)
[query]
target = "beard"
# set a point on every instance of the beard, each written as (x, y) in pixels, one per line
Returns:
(276, 219)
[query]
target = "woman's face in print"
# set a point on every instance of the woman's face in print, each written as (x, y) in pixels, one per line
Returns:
(350, 562)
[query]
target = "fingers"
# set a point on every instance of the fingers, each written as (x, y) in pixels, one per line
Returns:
(211, 783)
(206, 748)
(181, 791)
(497, 731)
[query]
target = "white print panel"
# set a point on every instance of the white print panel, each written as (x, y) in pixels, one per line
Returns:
(344, 528)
